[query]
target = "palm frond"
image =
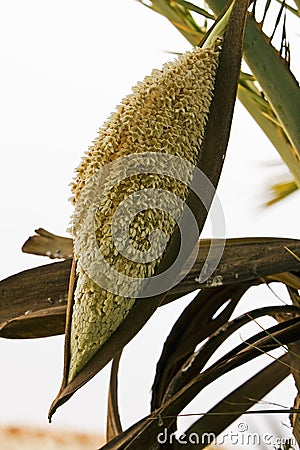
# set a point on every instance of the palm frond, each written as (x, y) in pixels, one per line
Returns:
(241, 399)
(278, 120)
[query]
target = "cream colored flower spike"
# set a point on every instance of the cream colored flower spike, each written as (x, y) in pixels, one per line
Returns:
(165, 114)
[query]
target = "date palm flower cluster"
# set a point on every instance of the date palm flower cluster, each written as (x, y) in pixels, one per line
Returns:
(166, 113)
(141, 197)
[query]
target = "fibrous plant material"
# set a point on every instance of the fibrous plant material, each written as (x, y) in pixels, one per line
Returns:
(166, 114)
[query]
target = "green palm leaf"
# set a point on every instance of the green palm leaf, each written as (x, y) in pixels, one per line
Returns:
(275, 107)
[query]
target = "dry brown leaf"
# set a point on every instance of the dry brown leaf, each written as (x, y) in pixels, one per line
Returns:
(48, 244)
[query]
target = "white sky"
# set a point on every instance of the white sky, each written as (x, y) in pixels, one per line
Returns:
(65, 65)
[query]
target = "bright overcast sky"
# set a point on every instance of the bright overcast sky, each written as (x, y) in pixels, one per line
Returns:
(65, 65)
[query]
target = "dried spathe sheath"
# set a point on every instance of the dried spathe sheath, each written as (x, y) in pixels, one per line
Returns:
(166, 113)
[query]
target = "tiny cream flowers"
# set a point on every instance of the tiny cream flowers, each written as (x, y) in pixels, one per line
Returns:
(165, 114)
